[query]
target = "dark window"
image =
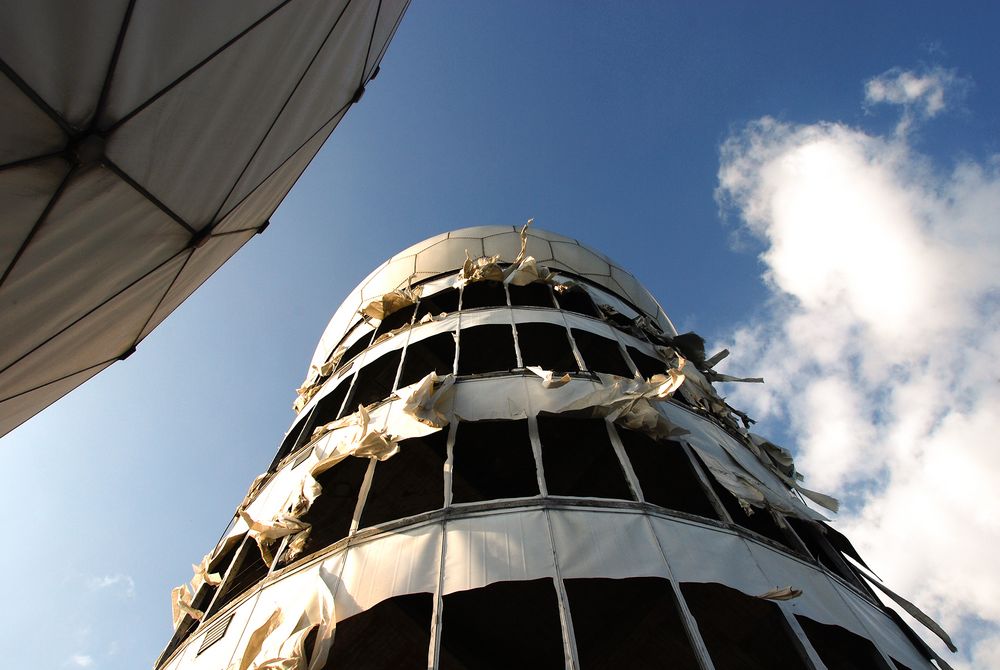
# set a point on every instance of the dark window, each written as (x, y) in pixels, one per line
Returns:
(579, 459)
(442, 302)
(493, 459)
(535, 294)
(601, 354)
(328, 408)
(374, 381)
(628, 623)
(360, 345)
(647, 365)
(839, 648)
(547, 345)
(815, 540)
(247, 572)
(577, 300)
(665, 474)
(759, 520)
(332, 511)
(504, 625)
(401, 317)
(483, 294)
(410, 482)
(393, 634)
(486, 349)
(740, 631)
(432, 354)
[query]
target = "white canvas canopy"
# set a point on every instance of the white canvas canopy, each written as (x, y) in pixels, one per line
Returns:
(142, 143)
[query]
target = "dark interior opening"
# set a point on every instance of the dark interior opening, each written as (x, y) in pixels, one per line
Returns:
(492, 460)
(741, 632)
(815, 540)
(760, 521)
(648, 366)
(841, 544)
(486, 349)
(504, 625)
(397, 319)
(547, 345)
(839, 648)
(601, 354)
(432, 354)
(332, 511)
(628, 623)
(360, 345)
(411, 482)
(483, 294)
(328, 409)
(374, 381)
(579, 459)
(396, 633)
(442, 302)
(535, 294)
(250, 570)
(576, 299)
(665, 474)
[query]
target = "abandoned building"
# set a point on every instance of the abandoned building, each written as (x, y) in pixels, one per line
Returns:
(505, 456)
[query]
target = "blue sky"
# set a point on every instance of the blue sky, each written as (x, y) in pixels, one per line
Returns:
(603, 123)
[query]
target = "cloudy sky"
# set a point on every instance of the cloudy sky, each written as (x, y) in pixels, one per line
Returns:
(815, 187)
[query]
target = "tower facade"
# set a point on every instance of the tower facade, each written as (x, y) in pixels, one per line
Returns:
(504, 455)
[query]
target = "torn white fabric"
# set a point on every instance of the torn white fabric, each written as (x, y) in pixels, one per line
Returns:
(424, 400)
(781, 593)
(779, 461)
(203, 576)
(909, 608)
(279, 643)
(314, 380)
(548, 377)
(365, 440)
(627, 401)
(391, 302)
(746, 489)
(180, 600)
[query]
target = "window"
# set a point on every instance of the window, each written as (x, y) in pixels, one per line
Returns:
(328, 408)
(628, 623)
(486, 349)
(248, 569)
(647, 365)
(576, 299)
(504, 625)
(483, 294)
(492, 460)
(359, 345)
(819, 546)
(401, 317)
(433, 354)
(411, 482)
(740, 631)
(442, 302)
(579, 459)
(547, 345)
(396, 633)
(839, 648)
(332, 511)
(760, 521)
(535, 294)
(601, 354)
(665, 474)
(374, 381)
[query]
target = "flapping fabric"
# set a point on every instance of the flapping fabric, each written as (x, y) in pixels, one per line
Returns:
(141, 145)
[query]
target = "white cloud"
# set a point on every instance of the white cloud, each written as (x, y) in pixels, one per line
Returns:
(923, 95)
(81, 660)
(108, 581)
(880, 343)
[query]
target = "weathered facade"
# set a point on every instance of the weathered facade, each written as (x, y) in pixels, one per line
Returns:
(504, 455)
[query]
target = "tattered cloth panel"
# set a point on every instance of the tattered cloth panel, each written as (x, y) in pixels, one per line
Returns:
(314, 381)
(779, 460)
(521, 271)
(279, 643)
(180, 601)
(426, 408)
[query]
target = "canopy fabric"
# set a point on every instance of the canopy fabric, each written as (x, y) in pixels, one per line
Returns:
(142, 143)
